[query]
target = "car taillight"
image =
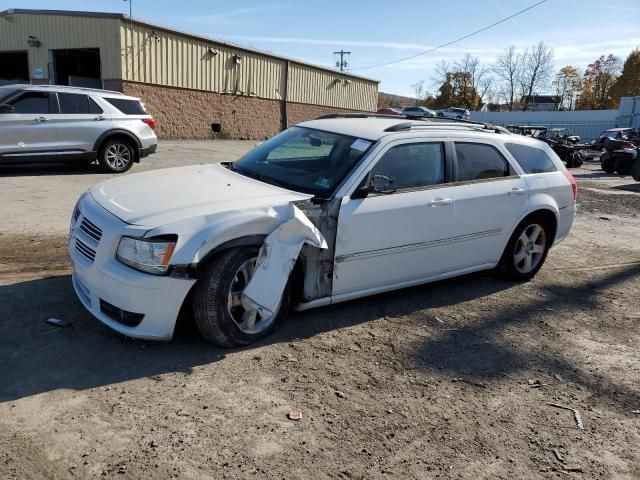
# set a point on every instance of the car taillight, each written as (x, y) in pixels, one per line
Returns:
(574, 185)
(150, 122)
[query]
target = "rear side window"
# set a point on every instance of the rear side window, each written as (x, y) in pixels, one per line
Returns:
(32, 102)
(73, 103)
(531, 159)
(413, 165)
(128, 107)
(478, 161)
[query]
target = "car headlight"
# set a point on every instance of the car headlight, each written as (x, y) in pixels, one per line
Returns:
(147, 255)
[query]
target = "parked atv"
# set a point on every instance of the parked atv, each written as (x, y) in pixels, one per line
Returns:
(619, 156)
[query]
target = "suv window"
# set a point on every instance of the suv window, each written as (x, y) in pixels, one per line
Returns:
(478, 161)
(413, 165)
(73, 103)
(128, 107)
(32, 102)
(531, 159)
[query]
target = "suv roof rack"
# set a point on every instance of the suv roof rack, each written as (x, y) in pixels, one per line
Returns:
(408, 125)
(71, 87)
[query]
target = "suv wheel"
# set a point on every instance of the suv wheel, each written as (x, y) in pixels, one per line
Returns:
(217, 306)
(527, 249)
(116, 155)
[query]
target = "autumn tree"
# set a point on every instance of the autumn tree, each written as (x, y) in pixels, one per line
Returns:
(598, 79)
(536, 71)
(567, 83)
(462, 84)
(628, 84)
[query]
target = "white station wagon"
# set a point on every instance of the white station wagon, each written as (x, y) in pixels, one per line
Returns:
(327, 211)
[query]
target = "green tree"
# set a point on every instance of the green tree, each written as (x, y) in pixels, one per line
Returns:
(628, 84)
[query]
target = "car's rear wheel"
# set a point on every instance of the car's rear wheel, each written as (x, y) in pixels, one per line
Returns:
(116, 155)
(527, 249)
(217, 302)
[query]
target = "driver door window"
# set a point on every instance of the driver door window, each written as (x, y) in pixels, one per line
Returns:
(413, 165)
(32, 103)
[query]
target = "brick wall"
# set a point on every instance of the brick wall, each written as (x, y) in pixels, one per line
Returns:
(188, 114)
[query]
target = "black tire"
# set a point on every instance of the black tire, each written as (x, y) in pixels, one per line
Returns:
(441, 115)
(512, 269)
(116, 155)
(635, 170)
(623, 165)
(459, 117)
(606, 163)
(210, 301)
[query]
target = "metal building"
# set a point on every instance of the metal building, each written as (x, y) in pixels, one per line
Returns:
(196, 87)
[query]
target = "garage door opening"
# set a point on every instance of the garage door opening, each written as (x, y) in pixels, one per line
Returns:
(14, 67)
(79, 67)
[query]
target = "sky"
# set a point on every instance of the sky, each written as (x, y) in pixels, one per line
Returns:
(379, 31)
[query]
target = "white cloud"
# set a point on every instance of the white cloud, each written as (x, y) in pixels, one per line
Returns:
(232, 16)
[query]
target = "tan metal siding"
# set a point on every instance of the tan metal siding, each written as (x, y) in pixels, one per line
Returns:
(175, 60)
(59, 32)
(321, 87)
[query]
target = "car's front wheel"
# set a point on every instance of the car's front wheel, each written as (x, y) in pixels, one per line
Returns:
(527, 249)
(217, 301)
(116, 155)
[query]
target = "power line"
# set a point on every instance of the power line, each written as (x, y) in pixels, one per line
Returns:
(453, 41)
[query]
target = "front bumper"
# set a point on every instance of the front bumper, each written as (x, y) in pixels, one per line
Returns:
(103, 280)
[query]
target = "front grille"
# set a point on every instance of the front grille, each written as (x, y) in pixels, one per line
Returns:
(85, 250)
(92, 230)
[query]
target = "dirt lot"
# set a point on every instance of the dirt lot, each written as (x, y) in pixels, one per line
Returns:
(449, 380)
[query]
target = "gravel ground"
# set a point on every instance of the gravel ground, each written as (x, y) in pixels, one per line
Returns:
(449, 380)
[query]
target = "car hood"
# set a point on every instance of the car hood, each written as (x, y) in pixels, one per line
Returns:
(161, 197)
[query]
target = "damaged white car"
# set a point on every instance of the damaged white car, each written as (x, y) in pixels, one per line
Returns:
(330, 210)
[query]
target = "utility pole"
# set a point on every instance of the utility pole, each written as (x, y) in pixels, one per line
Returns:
(342, 64)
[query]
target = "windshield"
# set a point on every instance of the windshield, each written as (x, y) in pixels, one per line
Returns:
(305, 160)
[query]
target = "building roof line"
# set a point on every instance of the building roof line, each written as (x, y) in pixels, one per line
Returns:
(205, 38)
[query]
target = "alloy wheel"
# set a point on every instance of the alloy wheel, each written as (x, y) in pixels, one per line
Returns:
(247, 321)
(530, 248)
(118, 156)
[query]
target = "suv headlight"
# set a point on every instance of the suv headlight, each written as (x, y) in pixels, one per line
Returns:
(147, 255)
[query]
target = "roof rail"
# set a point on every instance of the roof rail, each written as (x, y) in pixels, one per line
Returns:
(86, 89)
(357, 115)
(409, 125)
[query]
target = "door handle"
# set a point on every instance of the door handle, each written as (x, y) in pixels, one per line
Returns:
(437, 202)
(99, 118)
(516, 191)
(42, 119)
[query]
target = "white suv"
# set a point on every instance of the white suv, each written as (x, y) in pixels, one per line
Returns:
(327, 211)
(453, 112)
(48, 123)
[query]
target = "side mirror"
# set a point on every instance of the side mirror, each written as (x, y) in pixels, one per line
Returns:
(6, 108)
(381, 183)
